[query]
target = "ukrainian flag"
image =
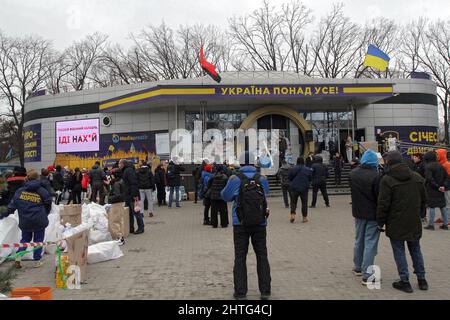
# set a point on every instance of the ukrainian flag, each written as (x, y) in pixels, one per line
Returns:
(376, 58)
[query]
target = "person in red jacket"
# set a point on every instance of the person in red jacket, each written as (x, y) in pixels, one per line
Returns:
(442, 158)
(85, 181)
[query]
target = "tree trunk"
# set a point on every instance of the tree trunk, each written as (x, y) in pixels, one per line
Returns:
(20, 145)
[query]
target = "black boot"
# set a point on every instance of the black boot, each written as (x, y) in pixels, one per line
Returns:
(423, 284)
(404, 286)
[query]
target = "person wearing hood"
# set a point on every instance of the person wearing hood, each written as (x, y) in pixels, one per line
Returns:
(146, 183)
(242, 234)
(442, 158)
(33, 203)
(436, 178)
(401, 205)
(283, 176)
(364, 182)
(319, 181)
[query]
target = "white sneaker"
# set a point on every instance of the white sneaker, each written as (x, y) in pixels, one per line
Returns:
(38, 264)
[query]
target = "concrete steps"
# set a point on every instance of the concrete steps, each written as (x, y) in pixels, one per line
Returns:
(342, 189)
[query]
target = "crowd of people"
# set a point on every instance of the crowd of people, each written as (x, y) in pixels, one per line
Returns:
(391, 196)
(394, 198)
(32, 194)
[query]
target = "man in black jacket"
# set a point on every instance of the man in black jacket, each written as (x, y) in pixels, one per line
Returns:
(146, 182)
(401, 205)
(300, 179)
(319, 181)
(364, 182)
(174, 182)
(98, 177)
(215, 185)
(160, 181)
(132, 194)
(435, 184)
(283, 175)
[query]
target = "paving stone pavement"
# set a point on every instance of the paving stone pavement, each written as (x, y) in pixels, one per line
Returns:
(179, 258)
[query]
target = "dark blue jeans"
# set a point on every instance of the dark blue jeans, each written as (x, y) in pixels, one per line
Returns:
(138, 215)
(242, 236)
(398, 248)
(33, 236)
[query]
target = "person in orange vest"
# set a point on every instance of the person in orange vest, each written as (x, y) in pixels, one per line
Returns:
(442, 158)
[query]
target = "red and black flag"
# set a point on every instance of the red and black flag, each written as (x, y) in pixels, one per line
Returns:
(209, 68)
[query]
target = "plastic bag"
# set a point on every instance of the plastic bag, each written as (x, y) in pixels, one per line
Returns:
(85, 213)
(98, 219)
(9, 233)
(103, 252)
(52, 232)
(137, 207)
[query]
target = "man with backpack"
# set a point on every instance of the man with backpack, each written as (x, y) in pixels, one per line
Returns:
(216, 184)
(248, 190)
(283, 175)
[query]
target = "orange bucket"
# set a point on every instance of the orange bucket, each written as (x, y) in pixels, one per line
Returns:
(35, 293)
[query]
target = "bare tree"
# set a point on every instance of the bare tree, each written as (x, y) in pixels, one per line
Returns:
(23, 70)
(411, 43)
(296, 17)
(435, 56)
(58, 72)
(335, 44)
(82, 56)
(384, 34)
(260, 36)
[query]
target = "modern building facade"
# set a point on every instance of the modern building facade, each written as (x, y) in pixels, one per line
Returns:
(137, 121)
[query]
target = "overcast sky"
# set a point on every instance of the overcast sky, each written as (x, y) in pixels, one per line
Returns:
(64, 21)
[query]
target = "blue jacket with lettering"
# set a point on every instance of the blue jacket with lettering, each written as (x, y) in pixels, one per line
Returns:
(33, 202)
(231, 190)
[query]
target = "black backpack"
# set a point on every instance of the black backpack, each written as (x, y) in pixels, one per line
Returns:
(251, 201)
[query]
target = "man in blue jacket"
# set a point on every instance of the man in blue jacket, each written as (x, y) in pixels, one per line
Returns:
(243, 234)
(33, 202)
(300, 177)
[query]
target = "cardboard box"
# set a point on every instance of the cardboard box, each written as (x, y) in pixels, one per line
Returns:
(126, 221)
(191, 196)
(118, 221)
(71, 214)
(77, 249)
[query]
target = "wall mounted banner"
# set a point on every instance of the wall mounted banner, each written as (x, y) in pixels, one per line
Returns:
(413, 139)
(248, 91)
(77, 136)
(32, 143)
